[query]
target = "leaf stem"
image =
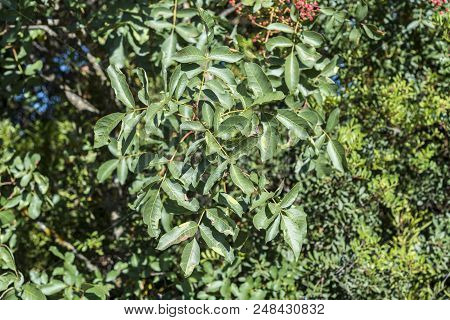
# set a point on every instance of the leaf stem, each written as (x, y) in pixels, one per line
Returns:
(174, 21)
(196, 106)
(199, 94)
(179, 143)
(201, 217)
(234, 111)
(17, 60)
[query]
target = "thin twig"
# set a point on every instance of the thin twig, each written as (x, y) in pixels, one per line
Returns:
(59, 240)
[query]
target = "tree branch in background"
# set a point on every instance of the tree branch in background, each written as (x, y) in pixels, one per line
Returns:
(59, 240)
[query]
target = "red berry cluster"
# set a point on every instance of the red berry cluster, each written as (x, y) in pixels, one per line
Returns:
(238, 6)
(307, 10)
(439, 4)
(279, 12)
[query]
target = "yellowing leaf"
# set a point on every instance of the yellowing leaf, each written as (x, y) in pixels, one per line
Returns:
(178, 234)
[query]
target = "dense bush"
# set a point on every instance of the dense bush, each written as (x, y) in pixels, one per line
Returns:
(71, 213)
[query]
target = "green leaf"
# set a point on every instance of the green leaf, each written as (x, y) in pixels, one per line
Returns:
(42, 182)
(327, 89)
(240, 180)
(215, 176)
(278, 42)
(336, 153)
(129, 123)
(122, 170)
(11, 203)
(223, 74)
(291, 196)
(280, 27)
(361, 11)
(6, 259)
(194, 147)
(175, 168)
(274, 229)
(293, 122)
(293, 224)
(53, 287)
(190, 257)
(262, 200)
(275, 208)
(31, 292)
(231, 125)
(268, 98)
(292, 72)
(33, 68)
(233, 204)
(243, 146)
(322, 169)
(225, 54)
(213, 145)
(117, 52)
(221, 222)
(175, 192)
(100, 291)
(217, 88)
(263, 218)
(332, 120)
(327, 11)
(208, 115)
(412, 25)
(319, 141)
(152, 212)
(144, 161)
(216, 242)
(168, 49)
(34, 210)
(371, 31)
(187, 31)
(174, 78)
(152, 110)
(308, 55)
(192, 125)
(6, 279)
(106, 169)
(312, 38)
(257, 80)
(189, 55)
(355, 35)
(330, 68)
(268, 141)
(207, 19)
(178, 234)
(182, 84)
(56, 252)
(6, 217)
(310, 116)
(120, 86)
(26, 179)
(104, 127)
(143, 94)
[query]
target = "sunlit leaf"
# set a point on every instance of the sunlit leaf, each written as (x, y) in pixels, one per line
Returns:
(104, 127)
(178, 234)
(190, 257)
(240, 180)
(120, 86)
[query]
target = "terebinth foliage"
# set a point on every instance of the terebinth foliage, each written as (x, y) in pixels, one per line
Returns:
(187, 146)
